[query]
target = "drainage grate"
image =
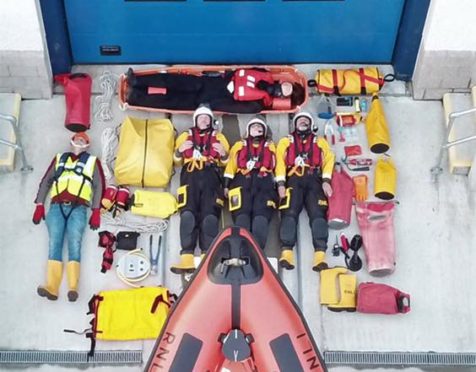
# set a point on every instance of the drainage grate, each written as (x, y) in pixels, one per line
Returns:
(70, 357)
(399, 358)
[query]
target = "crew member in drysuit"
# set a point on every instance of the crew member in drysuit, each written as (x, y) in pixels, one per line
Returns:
(203, 151)
(76, 181)
(240, 91)
(249, 181)
(304, 164)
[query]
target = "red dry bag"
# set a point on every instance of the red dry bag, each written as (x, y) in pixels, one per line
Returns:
(340, 203)
(77, 91)
(376, 298)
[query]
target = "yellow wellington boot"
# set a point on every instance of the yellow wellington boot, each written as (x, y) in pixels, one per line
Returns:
(54, 274)
(348, 293)
(329, 293)
(319, 261)
(286, 260)
(72, 272)
(186, 264)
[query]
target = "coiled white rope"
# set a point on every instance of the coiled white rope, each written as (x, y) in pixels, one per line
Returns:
(136, 223)
(109, 144)
(103, 103)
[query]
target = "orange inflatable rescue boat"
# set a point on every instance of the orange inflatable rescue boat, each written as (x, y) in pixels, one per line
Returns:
(235, 315)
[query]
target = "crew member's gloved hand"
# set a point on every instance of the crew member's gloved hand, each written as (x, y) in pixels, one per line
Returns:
(185, 146)
(281, 191)
(39, 213)
(360, 186)
(95, 220)
(218, 147)
(225, 192)
(327, 188)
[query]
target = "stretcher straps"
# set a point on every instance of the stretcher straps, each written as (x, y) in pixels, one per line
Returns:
(92, 304)
(92, 337)
(336, 87)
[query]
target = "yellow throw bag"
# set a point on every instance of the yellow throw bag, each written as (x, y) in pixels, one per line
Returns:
(153, 203)
(130, 314)
(145, 154)
(351, 81)
(378, 135)
(385, 183)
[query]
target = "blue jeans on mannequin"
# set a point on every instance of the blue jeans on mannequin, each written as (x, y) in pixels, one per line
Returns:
(73, 227)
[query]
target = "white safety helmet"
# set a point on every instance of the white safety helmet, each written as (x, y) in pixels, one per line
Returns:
(313, 126)
(203, 110)
(256, 120)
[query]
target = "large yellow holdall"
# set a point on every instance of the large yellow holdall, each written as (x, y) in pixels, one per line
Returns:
(356, 81)
(145, 154)
(128, 314)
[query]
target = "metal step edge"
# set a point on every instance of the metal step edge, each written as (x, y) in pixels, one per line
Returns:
(370, 358)
(461, 156)
(70, 357)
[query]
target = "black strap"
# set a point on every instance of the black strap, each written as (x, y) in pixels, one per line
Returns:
(92, 337)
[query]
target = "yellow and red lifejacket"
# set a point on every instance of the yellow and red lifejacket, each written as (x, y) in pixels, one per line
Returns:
(263, 157)
(203, 143)
(246, 86)
(308, 150)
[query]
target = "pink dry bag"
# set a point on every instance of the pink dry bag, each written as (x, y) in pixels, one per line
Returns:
(376, 227)
(375, 298)
(340, 203)
(77, 90)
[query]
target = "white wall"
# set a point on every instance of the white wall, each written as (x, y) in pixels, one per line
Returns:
(24, 61)
(447, 57)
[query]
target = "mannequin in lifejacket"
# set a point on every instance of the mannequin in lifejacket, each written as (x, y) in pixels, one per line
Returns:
(203, 151)
(249, 181)
(75, 181)
(239, 91)
(304, 164)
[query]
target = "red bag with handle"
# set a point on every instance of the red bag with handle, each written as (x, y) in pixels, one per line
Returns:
(77, 90)
(377, 298)
(340, 203)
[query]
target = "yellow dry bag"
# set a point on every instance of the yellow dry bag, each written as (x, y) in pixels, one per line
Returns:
(378, 135)
(350, 81)
(145, 154)
(153, 204)
(385, 182)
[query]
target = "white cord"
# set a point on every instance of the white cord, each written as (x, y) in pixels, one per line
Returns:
(109, 143)
(135, 223)
(103, 103)
(129, 281)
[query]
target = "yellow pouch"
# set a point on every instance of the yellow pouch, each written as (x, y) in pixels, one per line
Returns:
(234, 199)
(153, 204)
(182, 196)
(284, 203)
(378, 135)
(385, 183)
(328, 291)
(130, 314)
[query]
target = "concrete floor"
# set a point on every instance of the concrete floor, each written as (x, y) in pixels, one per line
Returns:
(434, 238)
